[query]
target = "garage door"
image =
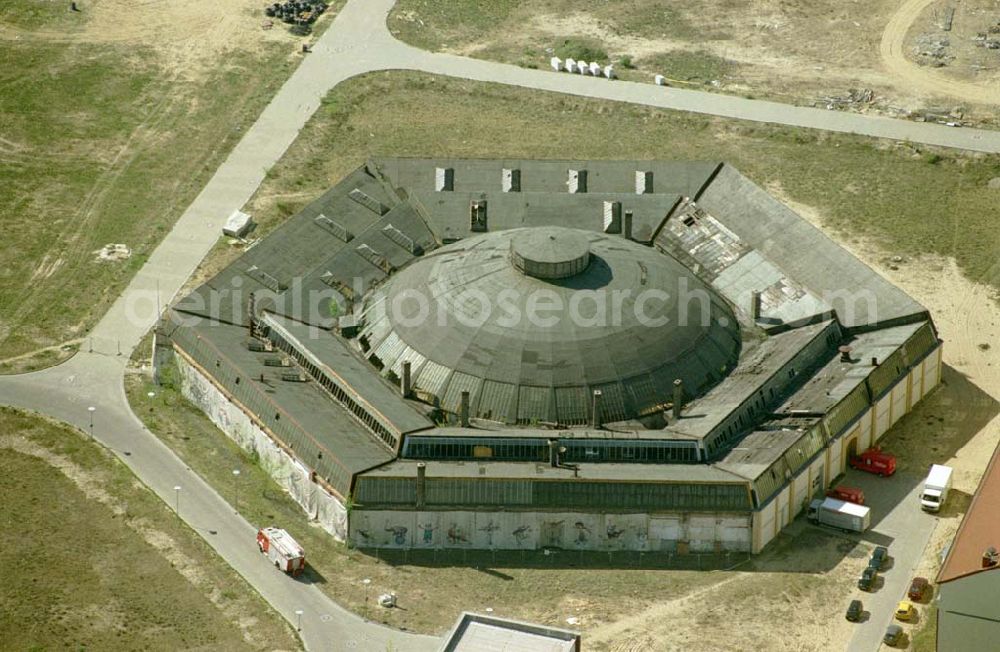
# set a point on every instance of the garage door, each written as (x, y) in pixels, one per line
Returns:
(915, 394)
(882, 417)
(836, 457)
(898, 400)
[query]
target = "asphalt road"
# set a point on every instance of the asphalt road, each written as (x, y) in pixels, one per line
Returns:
(899, 524)
(357, 42)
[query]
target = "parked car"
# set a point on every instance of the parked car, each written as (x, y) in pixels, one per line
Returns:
(893, 635)
(875, 460)
(879, 557)
(905, 610)
(867, 580)
(850, 494)
(854, 611)
(918, 587)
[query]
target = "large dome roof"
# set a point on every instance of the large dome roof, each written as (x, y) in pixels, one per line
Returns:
(531, 321)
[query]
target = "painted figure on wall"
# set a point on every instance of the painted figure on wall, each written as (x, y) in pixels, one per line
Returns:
(521, 533)
(614, 532)
(427, 533)
(455, 535)
(582, 533)
(489, 529)
(398, 534)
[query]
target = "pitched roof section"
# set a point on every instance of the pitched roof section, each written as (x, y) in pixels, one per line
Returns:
(979, 530)
(860, 296)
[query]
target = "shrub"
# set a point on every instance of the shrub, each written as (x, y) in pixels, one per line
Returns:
(581, 49)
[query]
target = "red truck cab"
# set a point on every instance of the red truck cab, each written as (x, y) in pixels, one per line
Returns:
(849, 494)
(875, 460)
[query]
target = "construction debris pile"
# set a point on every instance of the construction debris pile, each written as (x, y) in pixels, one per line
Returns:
(300, 14)
(990, 39)
(855, 98)
(933, 51)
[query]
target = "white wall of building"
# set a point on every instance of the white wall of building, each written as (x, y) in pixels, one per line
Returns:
(565, 530)
(319, 504)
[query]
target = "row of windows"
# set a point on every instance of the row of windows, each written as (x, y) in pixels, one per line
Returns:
(617, 495)
(537, 450)
(345, 399)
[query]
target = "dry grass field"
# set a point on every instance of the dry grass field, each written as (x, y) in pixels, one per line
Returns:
(94, 561)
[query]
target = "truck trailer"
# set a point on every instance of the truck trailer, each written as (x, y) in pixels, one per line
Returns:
(840, 514)
(936, 488)
(281, 549)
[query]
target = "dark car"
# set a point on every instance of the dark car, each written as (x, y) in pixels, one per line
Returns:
(918, 587)
(879, 556)
(867, 580)
(854, 611)
(893, 635)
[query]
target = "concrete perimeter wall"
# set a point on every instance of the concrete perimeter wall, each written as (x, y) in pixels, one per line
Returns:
(567, 530)
(294, 478)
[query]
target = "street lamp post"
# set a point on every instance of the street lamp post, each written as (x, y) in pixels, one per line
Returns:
(177, 500)
(91, 410)
(298, 618)
(236, 489)
(367, 582)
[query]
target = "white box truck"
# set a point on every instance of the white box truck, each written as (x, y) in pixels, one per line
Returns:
(840, 514)
(936, 488)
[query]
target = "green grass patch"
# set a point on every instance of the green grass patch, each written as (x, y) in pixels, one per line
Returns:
(35, 14)
(688, 66)
(101, 145)
(581, 49)
(80, 572)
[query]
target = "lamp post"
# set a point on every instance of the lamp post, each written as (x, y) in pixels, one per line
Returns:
(236, 489)
(177, 500)
(298, 618)
(367, 582)
(91, 410)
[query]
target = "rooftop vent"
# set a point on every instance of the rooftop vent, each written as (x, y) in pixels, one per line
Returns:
(403, 240)
(375, 258)
(643, 182)
(277, 362)
(368, 201)
(845, 353)
(260, 347)
(511, 180)
(265, 279)
(612, 217)
(345, 290)
(444, 179)
(576, 181)
(338, 230)
(990, 557)
(294, 377)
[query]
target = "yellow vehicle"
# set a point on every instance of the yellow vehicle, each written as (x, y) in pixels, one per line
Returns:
(905, 610)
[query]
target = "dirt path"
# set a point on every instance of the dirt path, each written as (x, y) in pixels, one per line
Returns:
(892, 51)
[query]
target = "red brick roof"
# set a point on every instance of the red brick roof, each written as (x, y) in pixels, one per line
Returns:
(979, 530)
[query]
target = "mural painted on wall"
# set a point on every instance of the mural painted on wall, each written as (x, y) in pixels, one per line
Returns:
(489, 529)
(398, 534)
(521, 534)
(427, 533)
(614, 532)
(456, 535)
(582, 533)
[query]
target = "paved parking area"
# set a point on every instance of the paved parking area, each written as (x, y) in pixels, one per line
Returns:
(899, 524)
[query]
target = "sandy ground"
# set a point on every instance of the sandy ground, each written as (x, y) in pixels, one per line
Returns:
(187, 35)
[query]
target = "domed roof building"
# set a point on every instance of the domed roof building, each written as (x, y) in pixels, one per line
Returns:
(602, 355)
(531, 321)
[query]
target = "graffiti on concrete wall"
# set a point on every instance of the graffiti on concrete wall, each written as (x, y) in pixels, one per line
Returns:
(398, 534)
(427, 533)
(456, 535)
(521, 534)
(489, 529)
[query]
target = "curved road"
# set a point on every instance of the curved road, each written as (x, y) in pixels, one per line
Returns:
(357, 42)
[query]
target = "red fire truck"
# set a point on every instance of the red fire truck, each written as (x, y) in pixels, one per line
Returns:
(875, 460)
(282, 549)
